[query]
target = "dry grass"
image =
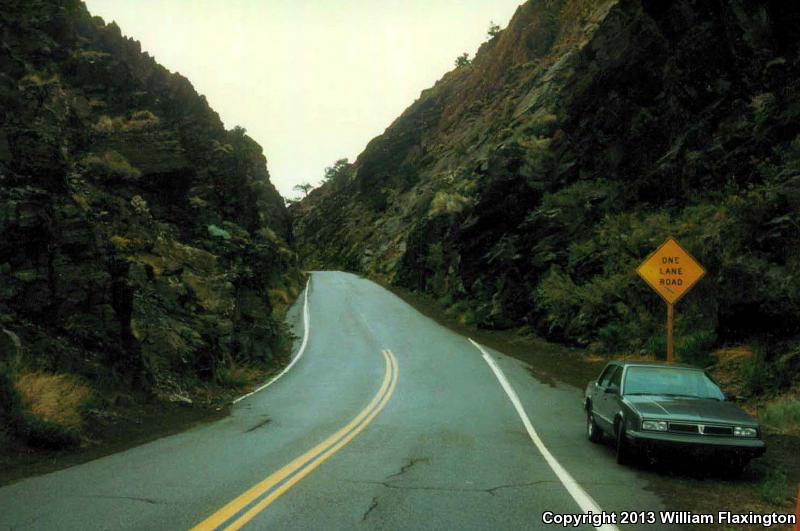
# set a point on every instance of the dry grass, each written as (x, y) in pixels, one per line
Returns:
(55, 398)
(237, 376)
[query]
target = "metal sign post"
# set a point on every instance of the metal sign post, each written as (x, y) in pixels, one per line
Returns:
(670, 348)
(671, 272)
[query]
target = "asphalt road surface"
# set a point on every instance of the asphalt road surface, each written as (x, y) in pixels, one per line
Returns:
(385, 420)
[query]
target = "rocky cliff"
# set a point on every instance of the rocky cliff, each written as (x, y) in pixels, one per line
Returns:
(142, 246)
(523, 188)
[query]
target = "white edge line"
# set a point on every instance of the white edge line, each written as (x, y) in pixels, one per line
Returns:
(581, 497)
(306, 328)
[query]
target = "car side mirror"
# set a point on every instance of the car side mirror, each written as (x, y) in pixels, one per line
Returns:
(612, 391)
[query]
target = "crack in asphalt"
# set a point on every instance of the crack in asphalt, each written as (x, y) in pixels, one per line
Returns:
(151, 501)
(371, 507)
(264, 422)
(411, 462)
(391, 483)
(518, 485)
(490, 491)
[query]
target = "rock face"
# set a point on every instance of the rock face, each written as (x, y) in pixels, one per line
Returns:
(524, 188)
(140, 242)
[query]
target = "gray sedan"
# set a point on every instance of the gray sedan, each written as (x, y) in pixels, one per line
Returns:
(648, 407)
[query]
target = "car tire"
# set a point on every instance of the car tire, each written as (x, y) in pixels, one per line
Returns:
(625, 453)
(593, 431)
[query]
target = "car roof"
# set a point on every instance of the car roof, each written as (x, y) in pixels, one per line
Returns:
(654, 364)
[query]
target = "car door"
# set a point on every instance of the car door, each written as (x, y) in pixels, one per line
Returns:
(604, 405)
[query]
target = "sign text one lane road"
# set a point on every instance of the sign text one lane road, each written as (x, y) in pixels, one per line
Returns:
(671, 271)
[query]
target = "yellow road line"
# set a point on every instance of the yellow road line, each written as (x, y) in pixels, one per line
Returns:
(260, 506)
(355, 426)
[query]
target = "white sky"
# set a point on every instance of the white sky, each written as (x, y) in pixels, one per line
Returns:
(312, 81)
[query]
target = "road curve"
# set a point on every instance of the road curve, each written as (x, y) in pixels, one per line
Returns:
(388, 421)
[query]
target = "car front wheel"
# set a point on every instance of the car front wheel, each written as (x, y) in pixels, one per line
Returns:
(593, 431)
(624, 451)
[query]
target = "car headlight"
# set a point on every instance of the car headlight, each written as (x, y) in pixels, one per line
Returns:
(740, 431)
(654, 425)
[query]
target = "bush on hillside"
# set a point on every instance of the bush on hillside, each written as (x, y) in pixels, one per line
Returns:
(445, 203)
(110, 165)
(463, 60)
(782, 416)
(236, 376)
(139, 120)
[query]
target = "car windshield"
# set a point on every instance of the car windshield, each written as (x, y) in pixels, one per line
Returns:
(671, 381)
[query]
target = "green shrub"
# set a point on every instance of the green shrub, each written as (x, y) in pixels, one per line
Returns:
(445, 203)
(695, 347)
(782, 416)
(217, 232)
(37, 80)
(463, 60)
(463, 312)
(141, 120)
(543, 125)
(622, 337)
(104, 124)
(774, 487)
(756, 373)
(691, 346)
(110, 165)
(579, 310)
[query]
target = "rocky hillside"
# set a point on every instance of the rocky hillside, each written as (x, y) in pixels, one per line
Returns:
(523, 188)
(142, 246)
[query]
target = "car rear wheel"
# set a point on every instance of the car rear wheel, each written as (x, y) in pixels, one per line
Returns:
(593, 431)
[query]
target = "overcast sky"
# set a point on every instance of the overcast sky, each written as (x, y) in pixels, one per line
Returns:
(311, 80)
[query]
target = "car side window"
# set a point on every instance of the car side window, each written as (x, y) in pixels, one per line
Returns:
(606, 376)
(616, 379)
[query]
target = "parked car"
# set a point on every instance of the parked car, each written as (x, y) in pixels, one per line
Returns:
(649, 407)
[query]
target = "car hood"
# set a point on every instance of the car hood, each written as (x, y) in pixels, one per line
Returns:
(689, 409)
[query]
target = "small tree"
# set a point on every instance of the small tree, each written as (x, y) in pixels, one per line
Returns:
(335, 173)
(462, 60)
(494, 29)
(304, 188)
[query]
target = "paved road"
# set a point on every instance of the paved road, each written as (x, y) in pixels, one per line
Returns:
(387, 421)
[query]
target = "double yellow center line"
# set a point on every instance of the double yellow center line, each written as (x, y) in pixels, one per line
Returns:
(244, 508)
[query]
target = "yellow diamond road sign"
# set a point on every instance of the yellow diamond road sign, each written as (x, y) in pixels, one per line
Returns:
(671, 271)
